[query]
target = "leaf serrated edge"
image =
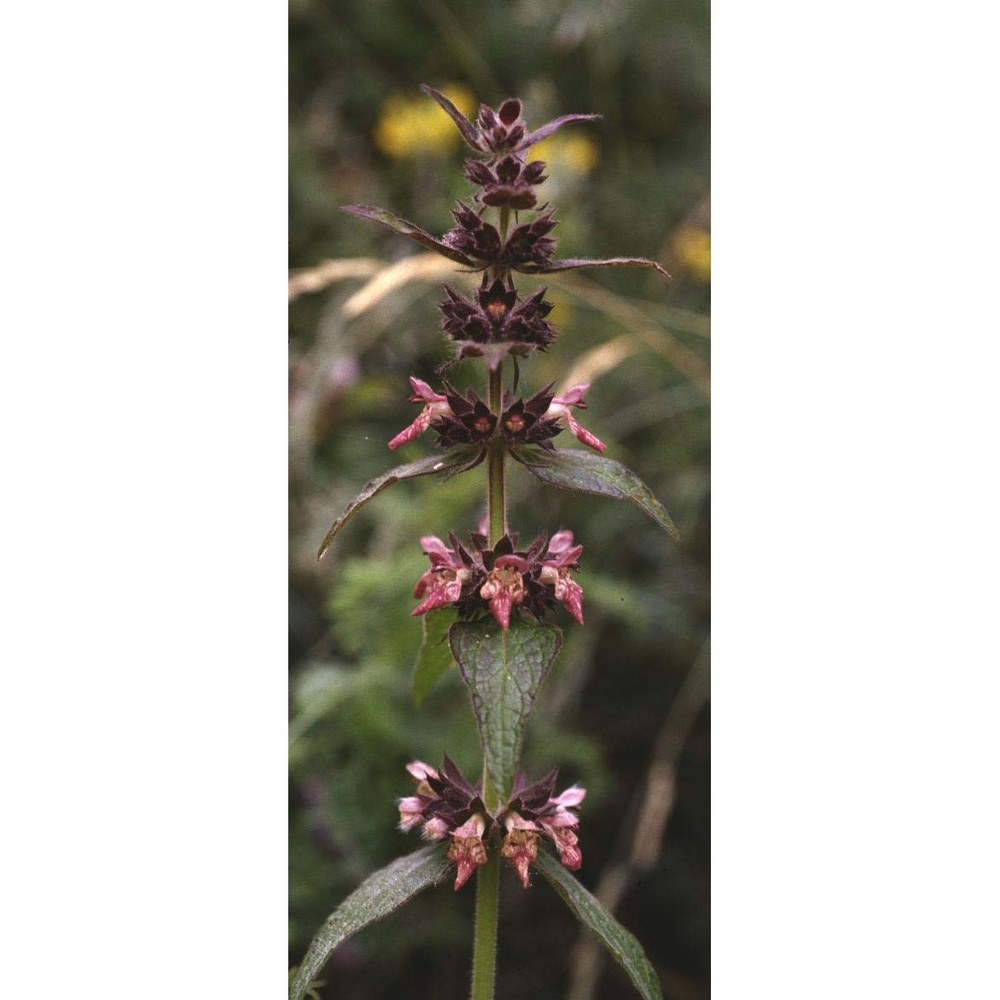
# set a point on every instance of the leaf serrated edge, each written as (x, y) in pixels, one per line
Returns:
(492, 762)
(612, 935)
(534, 458)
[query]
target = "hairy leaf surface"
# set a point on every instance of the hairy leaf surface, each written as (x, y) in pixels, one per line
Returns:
(381, 893)
(504, 670)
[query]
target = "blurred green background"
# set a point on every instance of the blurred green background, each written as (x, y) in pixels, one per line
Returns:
(625, 710)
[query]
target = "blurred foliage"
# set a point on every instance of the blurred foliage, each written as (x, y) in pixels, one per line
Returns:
(634, 183)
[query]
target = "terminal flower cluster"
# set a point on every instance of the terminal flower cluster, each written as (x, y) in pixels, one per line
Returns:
(480, 579)
(446, 805)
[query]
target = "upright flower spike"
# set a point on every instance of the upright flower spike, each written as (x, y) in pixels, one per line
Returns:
(494, 576)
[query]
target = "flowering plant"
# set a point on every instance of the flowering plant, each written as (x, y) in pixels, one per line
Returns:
(499, 589)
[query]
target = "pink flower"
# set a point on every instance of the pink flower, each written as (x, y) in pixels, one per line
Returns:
(413, 809)
(560, 824)
(520, 847)
(443, 582)
(467, 848)
(419, 770)
(533, 811)
(559, 409)
(560, 557)
(411, 812)
(437, 406)
(504, 587)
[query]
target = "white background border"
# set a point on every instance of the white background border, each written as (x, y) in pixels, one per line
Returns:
(855, 599)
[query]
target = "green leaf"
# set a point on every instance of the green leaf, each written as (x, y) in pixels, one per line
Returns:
(587, 472)
(381, 893)
(625, 949)
(434, 657)
(504, 670)
(458, 460)
(567, 265)
(406, 228)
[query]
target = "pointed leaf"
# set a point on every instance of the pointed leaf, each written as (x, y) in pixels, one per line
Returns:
(585, 472)
(451, 463)
(504, 668)
(381, 893)
(549, 127)
(624, 947)
(568, 265)
(469, 131)
(405, 228)
(434, 657)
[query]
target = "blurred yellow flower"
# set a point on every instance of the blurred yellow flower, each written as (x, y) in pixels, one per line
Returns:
(693, 247)
(562, 311)
(572, 154)
(411, 127)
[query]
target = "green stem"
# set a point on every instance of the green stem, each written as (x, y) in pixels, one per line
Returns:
(504, 221)
(484, 955)
(496, 498)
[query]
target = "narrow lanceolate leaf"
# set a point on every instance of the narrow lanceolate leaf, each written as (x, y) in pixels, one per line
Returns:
(570, 264)
(450, 463)
(381, 893)
(549, 127)
(405, 228)
(434, 657)
(469, 131)
(585, 472)
(625, 949)
(504, 670)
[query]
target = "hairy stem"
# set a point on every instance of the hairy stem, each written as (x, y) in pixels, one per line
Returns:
(484, 955)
